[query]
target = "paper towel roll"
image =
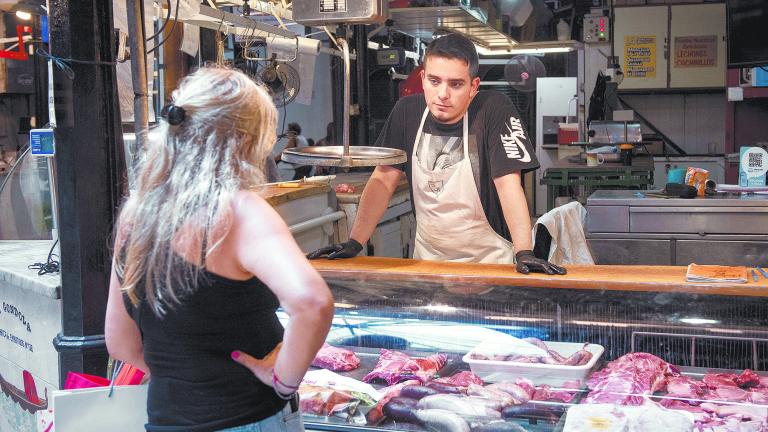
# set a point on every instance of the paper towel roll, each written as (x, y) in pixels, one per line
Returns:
(309, 46)
(285, 47)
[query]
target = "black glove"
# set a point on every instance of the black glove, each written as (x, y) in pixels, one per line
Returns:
(527, 262)
(348, 249)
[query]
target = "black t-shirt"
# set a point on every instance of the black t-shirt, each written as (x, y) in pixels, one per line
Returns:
(495, 131)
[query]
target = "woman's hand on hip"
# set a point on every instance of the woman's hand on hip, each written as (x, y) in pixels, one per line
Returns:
(261, 368)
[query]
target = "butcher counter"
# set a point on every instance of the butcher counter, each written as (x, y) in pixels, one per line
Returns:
(421, 308)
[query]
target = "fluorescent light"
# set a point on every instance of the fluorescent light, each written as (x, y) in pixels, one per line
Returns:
(541, 47)
(523, 319)
(495, 52)
(697, 321)
(26, 16)
(440, 308)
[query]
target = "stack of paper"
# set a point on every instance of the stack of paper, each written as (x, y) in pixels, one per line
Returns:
(717, 274)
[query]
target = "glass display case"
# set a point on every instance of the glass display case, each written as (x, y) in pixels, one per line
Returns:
(26, 212)
(659, 348)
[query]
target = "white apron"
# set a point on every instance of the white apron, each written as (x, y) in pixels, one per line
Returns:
(450, 220)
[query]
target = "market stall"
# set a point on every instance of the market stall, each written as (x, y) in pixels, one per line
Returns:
(696, 335)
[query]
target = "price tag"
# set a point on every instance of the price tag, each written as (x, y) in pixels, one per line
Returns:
(41, 142)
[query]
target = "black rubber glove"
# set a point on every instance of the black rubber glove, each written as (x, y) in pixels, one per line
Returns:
(527, 262)
(348, 249)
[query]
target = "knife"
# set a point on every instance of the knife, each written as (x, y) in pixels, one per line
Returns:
(763, 272)
(754, 275)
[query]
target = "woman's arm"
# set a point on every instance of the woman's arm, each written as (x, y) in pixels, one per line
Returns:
(122, 334)
(120, 330)
(266, 248)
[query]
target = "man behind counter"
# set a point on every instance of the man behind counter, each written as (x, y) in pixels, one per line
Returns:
(468, 150)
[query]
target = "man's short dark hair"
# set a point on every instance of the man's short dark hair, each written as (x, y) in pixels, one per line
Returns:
(455, 46)
(294, 127)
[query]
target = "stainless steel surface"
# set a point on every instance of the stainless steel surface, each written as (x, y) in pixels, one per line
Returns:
(608, 219)
(736, 253)
(321, 12)
(347, 95)
(631, 250)
(700, 220)
(316, 222)
(423, 22)
(613, 132)
(627, 197)
(682, 236)
(726, 229)
(219, 20)
(344, 156)
(335, 156)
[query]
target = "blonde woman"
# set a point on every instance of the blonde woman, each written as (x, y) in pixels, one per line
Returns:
(201, 264)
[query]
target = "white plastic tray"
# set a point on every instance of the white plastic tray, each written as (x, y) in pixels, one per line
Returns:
(554, 375)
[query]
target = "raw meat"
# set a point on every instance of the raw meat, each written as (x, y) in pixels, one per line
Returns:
(743, 380)
(324, 401)
(743, 412)
(376, 414)
(729, 394)
(685, 388)
(528, 386)
(545, 393)
(629, 379)
(344, 188)
(336, 359)
(461, 379)
(747, 379)
(394, 366)
(552, 357)
(714, 381)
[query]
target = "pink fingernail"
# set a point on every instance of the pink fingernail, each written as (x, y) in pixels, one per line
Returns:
(235, 355)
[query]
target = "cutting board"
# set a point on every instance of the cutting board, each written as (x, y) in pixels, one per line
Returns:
(279, 195)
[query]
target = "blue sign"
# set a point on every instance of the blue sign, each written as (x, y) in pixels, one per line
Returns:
(41, 142)
(44, 27)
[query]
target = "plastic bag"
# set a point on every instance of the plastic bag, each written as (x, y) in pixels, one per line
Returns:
(697, 177)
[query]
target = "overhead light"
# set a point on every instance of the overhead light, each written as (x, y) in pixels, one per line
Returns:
(545, 47)
(697, 321)
(440, 308)
(25, 9)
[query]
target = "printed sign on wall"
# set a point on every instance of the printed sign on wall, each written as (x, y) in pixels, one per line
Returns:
(640, 56)
(695, 51)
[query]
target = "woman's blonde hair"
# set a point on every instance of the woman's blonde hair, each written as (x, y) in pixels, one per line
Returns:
(187, 175)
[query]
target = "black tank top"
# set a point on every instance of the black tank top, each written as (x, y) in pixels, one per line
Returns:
(195, 384)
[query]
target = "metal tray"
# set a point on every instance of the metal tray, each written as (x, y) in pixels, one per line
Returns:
(333, 156)
(368, 359)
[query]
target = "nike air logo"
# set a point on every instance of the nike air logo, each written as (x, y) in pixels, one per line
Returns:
(513, 142)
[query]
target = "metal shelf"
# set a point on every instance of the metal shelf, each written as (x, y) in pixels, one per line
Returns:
(422, 22)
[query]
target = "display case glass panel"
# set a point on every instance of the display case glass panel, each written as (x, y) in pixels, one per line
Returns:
(687, 355)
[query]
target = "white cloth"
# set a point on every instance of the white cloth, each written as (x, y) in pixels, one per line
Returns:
(566, 226)
(450, 222)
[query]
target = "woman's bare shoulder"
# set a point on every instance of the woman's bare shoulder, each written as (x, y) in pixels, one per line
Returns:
(251, 209)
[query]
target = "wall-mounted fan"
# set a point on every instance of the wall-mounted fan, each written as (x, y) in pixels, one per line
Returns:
(521, 72)
(283, 82)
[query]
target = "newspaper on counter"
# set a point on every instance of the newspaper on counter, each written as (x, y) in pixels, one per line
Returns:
(716, 274)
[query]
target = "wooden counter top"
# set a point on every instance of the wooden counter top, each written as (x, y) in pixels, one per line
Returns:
(615, 278)
(278, 195)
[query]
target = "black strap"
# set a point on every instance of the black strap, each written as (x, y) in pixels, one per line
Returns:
(474, 160)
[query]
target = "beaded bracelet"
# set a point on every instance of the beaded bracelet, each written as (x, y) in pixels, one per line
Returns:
(276, 381)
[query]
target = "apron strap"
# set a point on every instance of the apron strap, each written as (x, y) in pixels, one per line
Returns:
(474, 160)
